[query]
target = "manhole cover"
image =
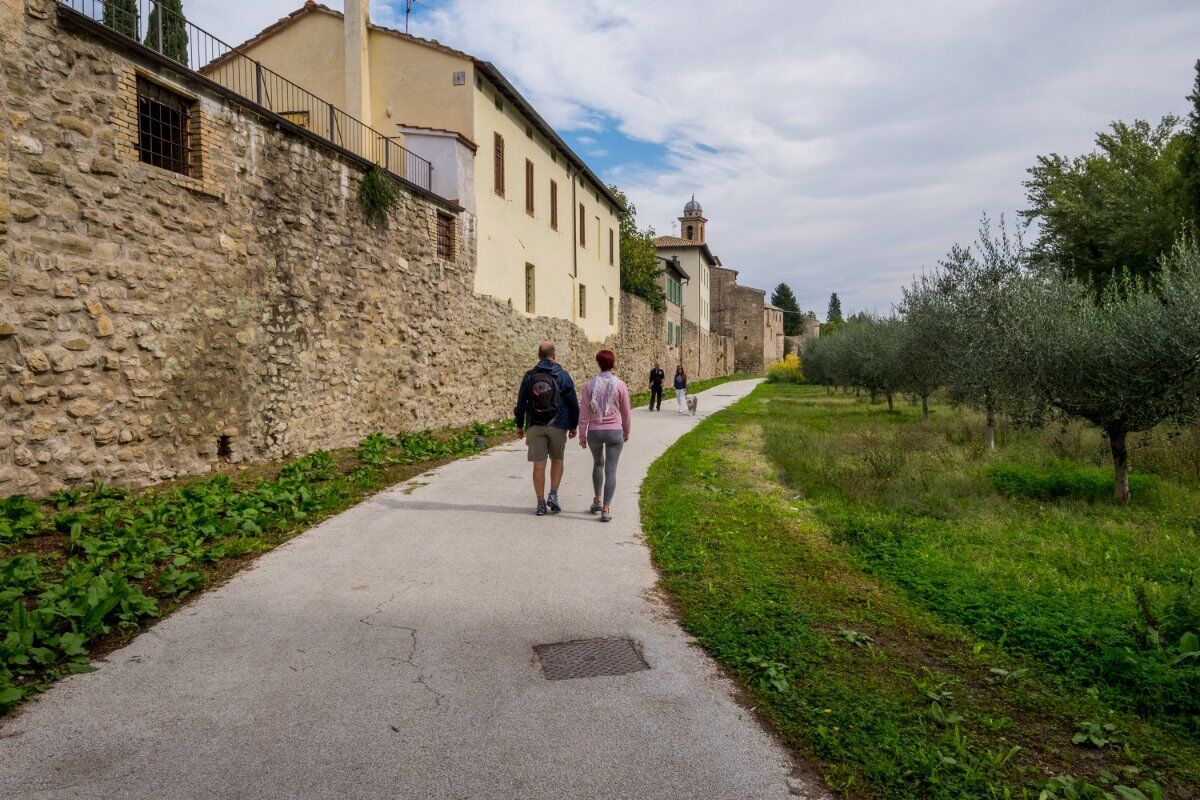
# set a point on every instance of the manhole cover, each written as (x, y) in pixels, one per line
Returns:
(589, 658)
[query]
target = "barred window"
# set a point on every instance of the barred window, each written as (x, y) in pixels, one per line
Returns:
(498, 165)
(445, 236)
(164, 127)
(612, 312)
(553, 205)
(582, 301)
(530, 289)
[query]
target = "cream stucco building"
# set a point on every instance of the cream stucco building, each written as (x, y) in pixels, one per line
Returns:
(546, 226)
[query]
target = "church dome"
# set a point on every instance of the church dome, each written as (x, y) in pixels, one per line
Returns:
(693, 207)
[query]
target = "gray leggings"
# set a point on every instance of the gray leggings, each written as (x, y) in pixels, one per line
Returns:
(606, 451)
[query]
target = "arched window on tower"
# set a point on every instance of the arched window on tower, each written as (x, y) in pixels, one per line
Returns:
(689, 232)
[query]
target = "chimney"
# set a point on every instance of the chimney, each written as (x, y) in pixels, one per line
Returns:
(358, 61)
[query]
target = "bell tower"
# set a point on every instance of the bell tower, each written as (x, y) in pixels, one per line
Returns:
(691, 224)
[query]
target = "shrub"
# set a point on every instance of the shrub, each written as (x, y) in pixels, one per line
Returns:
(378, 195)
(786, 371)
(1054, 480)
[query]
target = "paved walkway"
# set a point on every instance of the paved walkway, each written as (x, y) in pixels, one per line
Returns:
(387, 653)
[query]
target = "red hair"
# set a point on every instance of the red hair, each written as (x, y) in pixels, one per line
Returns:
(606, 359)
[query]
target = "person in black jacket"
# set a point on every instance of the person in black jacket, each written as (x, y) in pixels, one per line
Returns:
(547, 414)
(657, 376)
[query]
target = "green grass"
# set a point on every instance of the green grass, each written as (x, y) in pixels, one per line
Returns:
(85, 569)
(694, 387)
(918, 626)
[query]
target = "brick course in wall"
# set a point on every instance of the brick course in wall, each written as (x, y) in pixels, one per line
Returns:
(144, 315)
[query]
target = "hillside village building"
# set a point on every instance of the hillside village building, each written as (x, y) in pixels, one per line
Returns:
(546, 225)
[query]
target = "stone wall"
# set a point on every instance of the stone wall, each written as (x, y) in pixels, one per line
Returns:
(152, 324)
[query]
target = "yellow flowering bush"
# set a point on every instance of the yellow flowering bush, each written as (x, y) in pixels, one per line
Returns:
(786, 371)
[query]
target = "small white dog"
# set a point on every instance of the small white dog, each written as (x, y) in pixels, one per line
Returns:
(691, 404)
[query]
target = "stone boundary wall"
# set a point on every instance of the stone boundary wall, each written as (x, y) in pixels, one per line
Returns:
(153, 326)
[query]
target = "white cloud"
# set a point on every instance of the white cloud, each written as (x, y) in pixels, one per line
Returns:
(837, 146)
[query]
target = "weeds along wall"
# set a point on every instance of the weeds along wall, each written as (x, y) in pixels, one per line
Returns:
(153, 324)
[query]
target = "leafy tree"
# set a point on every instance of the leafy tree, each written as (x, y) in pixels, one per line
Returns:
(925, 338)
(1116, 209)
(793, 323)
(174, 34)
(880, 366)
(1189, 160)
(979, 285)
(640, 267)
(122, 16)
(834, 314)
(1125, 361)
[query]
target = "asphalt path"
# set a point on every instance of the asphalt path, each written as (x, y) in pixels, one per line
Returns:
(389, 653)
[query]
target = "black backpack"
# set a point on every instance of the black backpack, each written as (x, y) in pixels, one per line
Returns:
(545, 398)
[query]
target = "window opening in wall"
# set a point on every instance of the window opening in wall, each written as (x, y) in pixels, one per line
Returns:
(553, 205)
(612, 312)
(478, 82)
(445, 236)
(582, 301)
(689, 233)
(498, 163)
(679, 336)
(164, 127)
(499, 104)
(670, 332)
(597, 238)
(529, 131)
(301, 118)
(529, 289)
(582, 226)
(528, 186)
(225, 447)
(611, 247)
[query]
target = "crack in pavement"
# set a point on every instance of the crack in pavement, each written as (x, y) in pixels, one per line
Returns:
(421, 679)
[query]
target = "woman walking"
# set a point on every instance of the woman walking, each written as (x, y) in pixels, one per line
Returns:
(604, 427)
(681, 388)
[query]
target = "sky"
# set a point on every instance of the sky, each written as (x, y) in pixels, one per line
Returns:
(838, 147)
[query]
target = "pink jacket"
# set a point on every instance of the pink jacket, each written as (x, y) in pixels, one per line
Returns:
(618, 420)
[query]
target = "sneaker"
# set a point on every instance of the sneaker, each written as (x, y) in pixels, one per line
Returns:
(605, 516)
(552, 503)
(597, 506)
(541, 510)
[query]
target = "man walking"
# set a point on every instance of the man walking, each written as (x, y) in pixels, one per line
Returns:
(657, 376)
(547, 414)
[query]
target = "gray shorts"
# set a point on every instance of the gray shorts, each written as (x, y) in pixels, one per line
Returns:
(546, 440)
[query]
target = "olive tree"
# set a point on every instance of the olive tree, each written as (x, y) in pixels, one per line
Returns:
(1125, 361)
(925, 338)
(979, 284)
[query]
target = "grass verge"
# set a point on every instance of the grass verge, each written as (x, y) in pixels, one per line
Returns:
(916, 630)
(86, 569)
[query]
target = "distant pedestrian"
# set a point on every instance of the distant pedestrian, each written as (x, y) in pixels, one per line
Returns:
(604, 422)
(657, 376)
(681, 388)
(547, 414)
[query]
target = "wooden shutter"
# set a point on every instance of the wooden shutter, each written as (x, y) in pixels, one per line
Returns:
(498, 167)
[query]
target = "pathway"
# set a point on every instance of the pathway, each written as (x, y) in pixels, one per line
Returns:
(388, 653)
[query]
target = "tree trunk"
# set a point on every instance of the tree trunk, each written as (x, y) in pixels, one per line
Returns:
(873, 395)
(925, 407)
(889, 398)
(1120, 456)
(990, 434)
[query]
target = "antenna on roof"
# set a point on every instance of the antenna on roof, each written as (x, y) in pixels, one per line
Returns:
(408, 7)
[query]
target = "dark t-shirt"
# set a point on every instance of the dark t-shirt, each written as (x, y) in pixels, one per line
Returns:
(657, 376)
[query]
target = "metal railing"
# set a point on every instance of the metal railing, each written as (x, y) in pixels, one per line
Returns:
(166, 32)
